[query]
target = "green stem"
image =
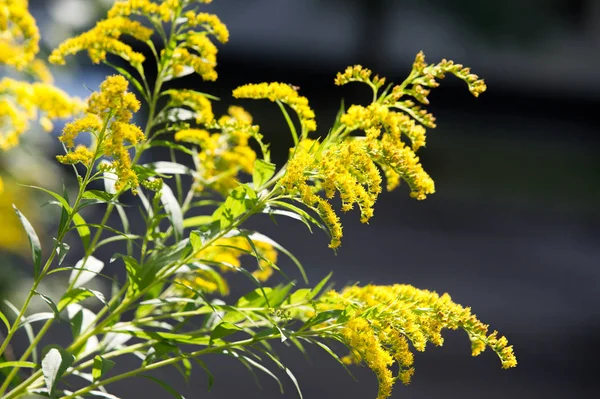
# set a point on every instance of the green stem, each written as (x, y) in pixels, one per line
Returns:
(166, 362)
(36, 283)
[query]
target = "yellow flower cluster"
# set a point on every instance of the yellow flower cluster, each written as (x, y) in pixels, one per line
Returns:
(203, 55)
(203, 64)
(22, 102)
(424, 75)
(107, 119)
(385, 318)
(211, 23)
(126, 8)
(343, 167)
(223, 155)
(19, 35)
(357, 73)
(389, 151)
(103, 39)
(285, 94)
(194, 100)
(227, 253)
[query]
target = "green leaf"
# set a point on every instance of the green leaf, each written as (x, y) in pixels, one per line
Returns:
(223, 330)
(173, 210)
(5, 321)
(170, 168)
(197, 221)
(54, 364)
(317, 289)
(332, 354)
(28, 329)
(170, 144)
(50, 303)
(84, 272)
(265, 370)
(306, 217)
(41, 316)
(62, 248)
(263, 171)
(34, 242)
(58, 197)
(196, 240)
(166, 336)
(101, 367)
(299, 296)
(240, 200)
(28, 365)
(289, 122)
(100, 196)
(163, 384)
(73, 296)
(255, 298)
(82, 229)
(294, 380)
(322, 318)
(211, 377)
(110, 179)
(263, 238)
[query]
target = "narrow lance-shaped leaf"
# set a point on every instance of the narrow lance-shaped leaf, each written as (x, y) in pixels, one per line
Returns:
(50, 303)
(54, 364)
(34, 241)
(84, 272)
(173, 210)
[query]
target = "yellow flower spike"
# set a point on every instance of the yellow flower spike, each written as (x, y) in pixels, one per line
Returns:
(24, 102)
(103, 39)
(211, 23)
(107, 118)
(39, 70)
(385, 319)
(82, 154)
(195, 101)
(284, 93)
(89, 123)
(240, 114)
(223, 155)
(194, 136)
(19, 34)
(126, 8)
(203, 67)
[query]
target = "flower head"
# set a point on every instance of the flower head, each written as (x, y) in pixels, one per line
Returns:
(283, 93)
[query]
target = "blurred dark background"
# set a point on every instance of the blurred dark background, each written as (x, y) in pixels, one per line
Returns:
(513, 229)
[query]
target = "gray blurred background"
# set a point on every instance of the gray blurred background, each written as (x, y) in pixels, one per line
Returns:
(513, 229)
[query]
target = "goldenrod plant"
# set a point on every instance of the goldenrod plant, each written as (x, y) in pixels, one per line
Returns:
(173, 307)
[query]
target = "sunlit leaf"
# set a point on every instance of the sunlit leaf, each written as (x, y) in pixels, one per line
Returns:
(163, 384)
(50, 303)
(54, 364)
(101, 367)
(34, 242)
(84, 272)
(262, 172)
(223, 330)
(173, 210)
(240, 200)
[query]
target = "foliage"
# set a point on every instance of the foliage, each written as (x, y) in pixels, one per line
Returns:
(169, 311)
